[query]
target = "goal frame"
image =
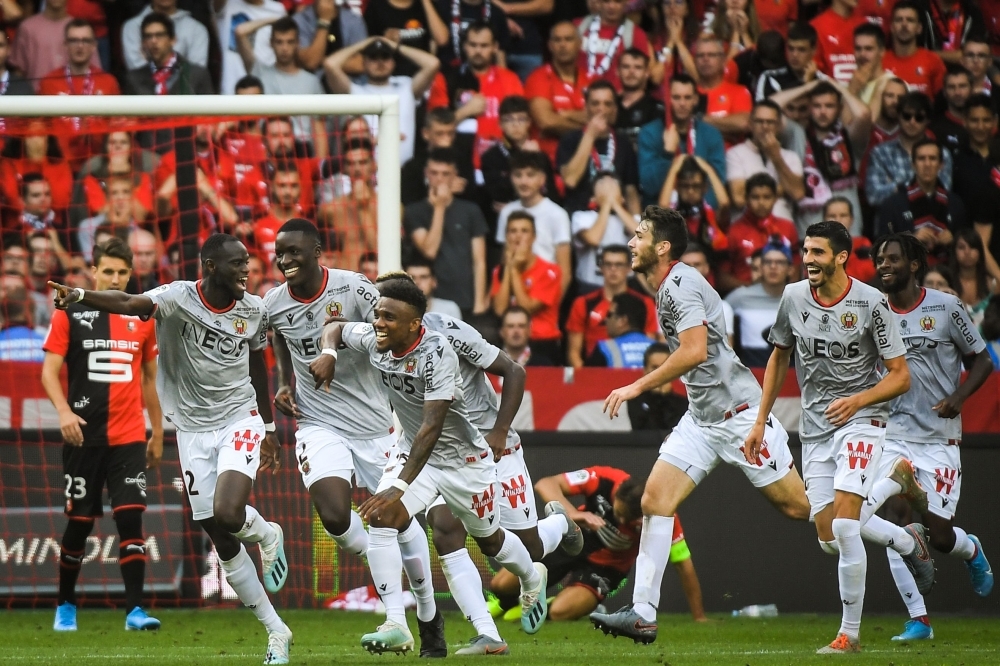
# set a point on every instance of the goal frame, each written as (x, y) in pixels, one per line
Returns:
(385, 106)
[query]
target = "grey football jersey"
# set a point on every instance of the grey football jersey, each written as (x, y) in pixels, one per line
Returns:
(474, 356)
(429, 371)
(838, 350)
(937, 333)
(355, 406)
(204, 368)
(722, 383)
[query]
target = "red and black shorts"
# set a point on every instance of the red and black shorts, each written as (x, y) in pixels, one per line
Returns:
(87, 469)
(580, 572)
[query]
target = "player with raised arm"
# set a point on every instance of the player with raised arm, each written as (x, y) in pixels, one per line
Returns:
(517, 510)
(440, 453)
(111, 363)
(213, 385)
(843, 336)
(344, 431)
(723, 400)
(925, 424)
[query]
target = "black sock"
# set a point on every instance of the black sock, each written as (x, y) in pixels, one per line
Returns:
(71, 557)
(131, 555)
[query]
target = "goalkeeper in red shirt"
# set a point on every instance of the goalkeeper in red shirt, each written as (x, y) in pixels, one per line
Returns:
(610, 517)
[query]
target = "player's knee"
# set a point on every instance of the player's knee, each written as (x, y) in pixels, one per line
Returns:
(796, 508)
(334, 522)
(230, 519)
(943, 540)
(829, 547)
(490, 545)
(655, 503)
(76, 533)
(129, 524)
(448, 540)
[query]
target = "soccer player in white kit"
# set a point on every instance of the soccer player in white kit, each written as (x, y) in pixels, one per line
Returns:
(843, 334)
(724, 398)
(213, 386)
(345, 431)
(440, 453)
(925, 424)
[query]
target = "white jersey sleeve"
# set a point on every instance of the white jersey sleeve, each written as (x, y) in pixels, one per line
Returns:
(359, 337)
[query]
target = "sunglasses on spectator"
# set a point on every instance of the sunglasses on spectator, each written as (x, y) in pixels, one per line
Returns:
(909, 116)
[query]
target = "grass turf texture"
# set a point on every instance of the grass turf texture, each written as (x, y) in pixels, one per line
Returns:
(222, 637)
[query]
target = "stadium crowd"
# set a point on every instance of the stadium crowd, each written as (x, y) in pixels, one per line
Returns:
(533, 132)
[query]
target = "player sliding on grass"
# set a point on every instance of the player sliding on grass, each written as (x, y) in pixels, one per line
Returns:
(111, 363)
(844, 336)
(440, 453)
(344, 431)
(213, 383)
(723, 400)
(925, 424)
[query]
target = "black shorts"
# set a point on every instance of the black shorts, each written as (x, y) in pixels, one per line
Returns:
(600, 580)
(87, 469)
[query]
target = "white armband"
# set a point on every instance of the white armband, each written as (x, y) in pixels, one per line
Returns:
(399, 483)
(329, 351)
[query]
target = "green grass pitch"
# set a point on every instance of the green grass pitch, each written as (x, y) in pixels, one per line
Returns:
(223, 637)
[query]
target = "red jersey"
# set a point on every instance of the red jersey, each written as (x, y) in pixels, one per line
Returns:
(835, 47)
(924, 70)
(878, 12)
(265, 231)
(94, 190)
(58, 174)
(726, 99)
(776, 14)
(589, 315)
(60, 82)
(749, 234)
(104, 355)
(603, 48)
(545, 82)
(861, 268)
(542, 282)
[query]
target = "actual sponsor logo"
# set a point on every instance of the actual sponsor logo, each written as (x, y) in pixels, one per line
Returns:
(87, 318)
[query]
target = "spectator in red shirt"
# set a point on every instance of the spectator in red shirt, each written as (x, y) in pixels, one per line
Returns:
(527, 280)
(878, 12)
(286, 191)
(606, 36)
(859, 264)
(777, 15)
(726, 105)
(556, 90)
(118, 157)
(280, 144)
(587, 321)
(835, 49)
(758, 227)
(38, 152)
(349, 201)
(37, 48)
(921, 68)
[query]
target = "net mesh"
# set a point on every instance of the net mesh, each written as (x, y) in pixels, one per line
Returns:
(164, 185)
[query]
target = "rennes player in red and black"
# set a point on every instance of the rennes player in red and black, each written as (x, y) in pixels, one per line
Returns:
(111, 363)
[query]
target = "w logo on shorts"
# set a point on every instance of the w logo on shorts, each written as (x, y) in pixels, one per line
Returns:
(484, 503)
(858, 453)
(945, 479)
(246, 438)
(515, 492)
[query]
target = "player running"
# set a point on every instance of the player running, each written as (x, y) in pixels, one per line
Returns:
(612, 514)
(344, 431)
(723, 400)
(925, 424)
(213, 382)
(111, 361)
(440, 452)
(843, 334)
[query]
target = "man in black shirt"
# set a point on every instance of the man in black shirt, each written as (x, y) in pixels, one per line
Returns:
(458, 15)
(635, 106)
(976, 172)
(412, 23)
(439, 132)
(949, 126)
(659, 408)
(800, 47)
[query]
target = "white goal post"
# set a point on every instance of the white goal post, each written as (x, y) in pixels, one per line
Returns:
(385, 106)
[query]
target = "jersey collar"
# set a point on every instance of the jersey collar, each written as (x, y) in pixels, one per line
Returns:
(322, 288)
(413, 346)
(205, 302)
(923, 294)
(850, 283)
(669, 269)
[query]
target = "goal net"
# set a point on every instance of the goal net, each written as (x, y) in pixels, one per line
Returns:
(164, 173)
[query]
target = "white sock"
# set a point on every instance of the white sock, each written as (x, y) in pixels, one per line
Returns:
(386, 565)
(881, 491)
(466, 587)
(515, 558)
(242, 576)
(255, 528)
(417, 564)
(906, 585)
(964, 548)
(654, 550)
(355, 539)
(851, 572)
(551, 531)
(880, 531)
(829, 547)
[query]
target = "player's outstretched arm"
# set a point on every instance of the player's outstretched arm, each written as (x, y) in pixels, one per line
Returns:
(774, 379)
(514, 378)
(692, 352)
(896, 382)
(982, 368)
(111, 300)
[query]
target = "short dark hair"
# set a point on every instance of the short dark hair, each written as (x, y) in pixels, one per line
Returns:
(285, 24)
(368, 257)
(668, 225)
(249, 81)
(925, 141)
(630, 493)
(802, 31)
(528, 159)
(522, 215)
(393, 275)
(634, 52)
(479, 25)
(762, 179)
(836, 200)
(442, 115)
(515, 309)
(834, 232)
(825, 88)
(419, 261)
(406, 291)
(976, 37)
(442, 156)
(615, 249)
(691, 168)
(871, 30)
(213, 245)
(303, 226)
(514, 104)
(980, 100)
(912, 249)
(655, 348)
(769, 104)
(114, 248)
(632, 307)
(29, 178)
(600, 84)
(162, 19)
(684, 79)
(78, 23)
(917, 102)
(957, 70)
(906, 4)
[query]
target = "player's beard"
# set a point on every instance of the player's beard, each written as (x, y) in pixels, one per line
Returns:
(644, 261)
(897, 285)
(826, 272)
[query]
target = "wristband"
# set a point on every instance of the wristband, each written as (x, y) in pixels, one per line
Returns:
(399, 483)
(76, 295)
(329, 351)
(270, 427)
(323, 24)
